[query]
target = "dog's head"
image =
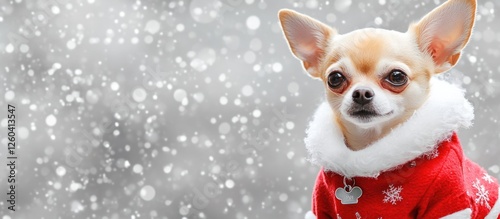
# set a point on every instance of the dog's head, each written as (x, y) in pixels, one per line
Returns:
(376, 78)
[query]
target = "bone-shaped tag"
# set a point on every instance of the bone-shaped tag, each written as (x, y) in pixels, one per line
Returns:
(348, 197)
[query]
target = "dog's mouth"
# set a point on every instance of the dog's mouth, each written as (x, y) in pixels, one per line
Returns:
(365, 114)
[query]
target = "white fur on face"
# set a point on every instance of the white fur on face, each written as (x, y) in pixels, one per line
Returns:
(390, 106)
(386, 105)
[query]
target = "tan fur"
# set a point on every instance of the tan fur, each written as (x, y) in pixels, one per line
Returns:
(365, 57)
(366, 52)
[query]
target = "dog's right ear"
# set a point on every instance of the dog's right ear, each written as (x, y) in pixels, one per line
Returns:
(306, 37)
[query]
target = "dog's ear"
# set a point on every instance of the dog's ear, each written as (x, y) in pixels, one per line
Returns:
(307, 38)
(445, 31)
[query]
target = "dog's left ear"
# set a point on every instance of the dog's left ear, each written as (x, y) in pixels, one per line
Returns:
(445, 31)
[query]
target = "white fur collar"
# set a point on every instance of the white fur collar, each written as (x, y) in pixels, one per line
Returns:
(444, 112)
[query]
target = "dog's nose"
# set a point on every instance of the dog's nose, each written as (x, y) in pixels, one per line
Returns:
(363, 95)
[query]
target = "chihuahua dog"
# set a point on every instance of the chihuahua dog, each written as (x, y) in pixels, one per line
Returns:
(386, 135)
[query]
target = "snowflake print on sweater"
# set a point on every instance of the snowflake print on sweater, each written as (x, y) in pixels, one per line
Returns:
(488, 178)
(393, 194)
(481, 194)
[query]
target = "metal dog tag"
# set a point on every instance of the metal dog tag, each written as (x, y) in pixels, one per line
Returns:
(349, 194)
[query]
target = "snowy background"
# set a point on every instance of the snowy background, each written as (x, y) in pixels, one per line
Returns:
(188, 108)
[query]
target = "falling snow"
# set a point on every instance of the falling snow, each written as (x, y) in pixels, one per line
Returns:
(191, 108)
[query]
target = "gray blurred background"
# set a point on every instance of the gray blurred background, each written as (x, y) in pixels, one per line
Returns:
(188, 108)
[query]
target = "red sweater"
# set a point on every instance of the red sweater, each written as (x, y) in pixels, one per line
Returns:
(437, 184)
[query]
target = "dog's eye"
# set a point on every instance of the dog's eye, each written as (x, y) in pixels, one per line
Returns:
(397, 78)
(335, 80)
